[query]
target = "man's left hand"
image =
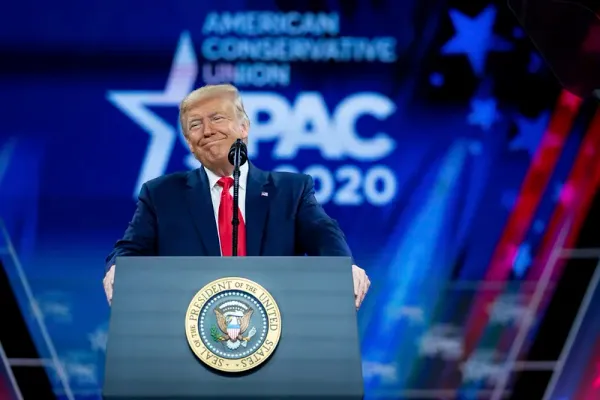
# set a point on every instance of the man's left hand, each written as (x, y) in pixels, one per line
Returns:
(361, 284)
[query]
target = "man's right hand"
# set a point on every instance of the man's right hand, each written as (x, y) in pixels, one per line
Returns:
(109, 280)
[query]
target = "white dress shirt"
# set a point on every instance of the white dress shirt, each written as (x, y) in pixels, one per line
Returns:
(216, 189)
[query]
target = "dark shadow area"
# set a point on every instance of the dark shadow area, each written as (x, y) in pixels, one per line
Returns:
(18, 344)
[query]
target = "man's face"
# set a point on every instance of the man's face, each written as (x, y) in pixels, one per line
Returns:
(212, 126)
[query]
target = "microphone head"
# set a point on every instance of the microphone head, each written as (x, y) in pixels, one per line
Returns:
(240, 146)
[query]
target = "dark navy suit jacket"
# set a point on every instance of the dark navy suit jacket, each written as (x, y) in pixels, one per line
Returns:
(174, 217)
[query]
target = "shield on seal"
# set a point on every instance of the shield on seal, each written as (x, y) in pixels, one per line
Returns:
(233, 328)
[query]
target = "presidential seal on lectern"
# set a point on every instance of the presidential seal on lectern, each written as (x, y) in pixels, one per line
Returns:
(233, 324)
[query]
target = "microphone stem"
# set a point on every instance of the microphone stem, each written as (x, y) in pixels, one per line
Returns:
(235, 221)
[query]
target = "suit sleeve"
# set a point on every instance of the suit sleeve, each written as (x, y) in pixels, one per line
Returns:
(140, 236)
(318, 234)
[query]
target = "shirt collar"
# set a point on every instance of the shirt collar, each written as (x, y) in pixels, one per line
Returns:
(214, 178)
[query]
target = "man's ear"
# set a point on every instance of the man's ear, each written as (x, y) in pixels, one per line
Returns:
(244, 131)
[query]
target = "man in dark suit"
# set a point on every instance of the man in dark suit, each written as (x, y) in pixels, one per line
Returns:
(190, 213)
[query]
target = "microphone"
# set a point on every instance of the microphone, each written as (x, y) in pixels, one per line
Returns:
(238, 155)
(238, 149)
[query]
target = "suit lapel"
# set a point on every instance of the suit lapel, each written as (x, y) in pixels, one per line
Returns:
(259, 192)
(201, 209)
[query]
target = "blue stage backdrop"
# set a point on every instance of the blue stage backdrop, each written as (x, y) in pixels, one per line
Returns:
(425, 124)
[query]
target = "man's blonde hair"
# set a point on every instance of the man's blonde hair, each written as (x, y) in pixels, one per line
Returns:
(213, 90)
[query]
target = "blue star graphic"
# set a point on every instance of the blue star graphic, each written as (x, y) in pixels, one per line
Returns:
(518, 33)
(535, 63)
(530, 133)
(135, 104)
(436, 79)
(475, 38)
(483, 113)
(523, 260)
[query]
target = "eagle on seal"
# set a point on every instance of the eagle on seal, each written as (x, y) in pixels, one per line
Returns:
(233, 328)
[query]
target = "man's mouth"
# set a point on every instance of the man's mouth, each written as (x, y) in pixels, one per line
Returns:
(210, 143)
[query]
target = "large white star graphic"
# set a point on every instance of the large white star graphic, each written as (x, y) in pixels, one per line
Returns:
(163, 135)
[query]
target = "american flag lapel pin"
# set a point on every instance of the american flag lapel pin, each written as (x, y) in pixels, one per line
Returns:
(264, 194)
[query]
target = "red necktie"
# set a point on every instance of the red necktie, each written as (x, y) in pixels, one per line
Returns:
(225, 217)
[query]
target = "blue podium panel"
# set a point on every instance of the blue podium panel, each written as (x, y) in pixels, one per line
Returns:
(317, 356)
